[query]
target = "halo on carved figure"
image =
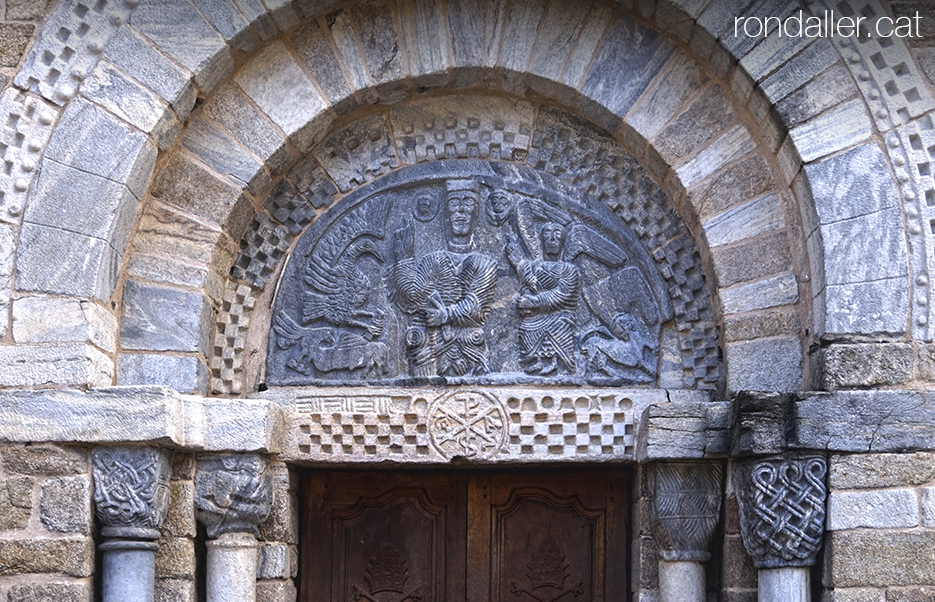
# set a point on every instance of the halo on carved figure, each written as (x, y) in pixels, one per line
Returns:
(372, 295)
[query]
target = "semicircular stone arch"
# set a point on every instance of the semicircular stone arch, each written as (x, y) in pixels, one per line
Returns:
(703, 127)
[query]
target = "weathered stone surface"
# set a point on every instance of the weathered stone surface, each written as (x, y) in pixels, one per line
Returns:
(185, 183)
(69, 364)
(910, 594)
(73, 556)
(185, 374)
(165, 231)
(349, 52)
(234, 112)
(752, 259)
(865, 421)
(729, 147)
(832, 131)
(229, 22)
(629, 57)
(823, 92)
(163, 319)
(745, 221)
(65, 505)
(682, 79)
(761, 423)
(559, 31)
(28, 10)
(422, 24)
(356, 154)
(844, 186)
(151, 68)
(879, 558)
(926, 59)
(376, 23)
(735, 185)
(853, 248)
(923, 32)
(868, 307)
(44, 459)
(175, 590)
(316, 52)
(233, 493)
(175, 558)
(708, 115)
(865, 365)
(776, 322)
(49, 592)
(927, 505)
(224, 155)
(853, 594)
(272, 79)
(862, 471)
(683, 430)
(579, 60)
(276, 561)
(47, 320)
(764, 365)
(15, 37)
(275, 591)
(15, 503)
(180, 519)
(202, 51)
(282, 524)
(520, 33)
(880, 509)
(761, 294)
(817, 57)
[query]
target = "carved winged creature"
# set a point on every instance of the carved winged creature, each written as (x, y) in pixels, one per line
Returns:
(339, 291)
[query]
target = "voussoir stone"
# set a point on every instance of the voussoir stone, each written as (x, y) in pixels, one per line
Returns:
(157, 318)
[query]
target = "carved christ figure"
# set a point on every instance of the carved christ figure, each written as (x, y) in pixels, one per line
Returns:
(548, 297)
(448, 294)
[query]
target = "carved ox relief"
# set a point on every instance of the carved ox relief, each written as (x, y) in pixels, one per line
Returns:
(468, 273)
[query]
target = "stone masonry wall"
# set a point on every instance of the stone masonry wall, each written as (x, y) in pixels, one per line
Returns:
(46, 524)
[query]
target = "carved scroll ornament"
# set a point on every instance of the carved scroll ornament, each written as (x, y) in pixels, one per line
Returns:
(131, 490)
(684, 509)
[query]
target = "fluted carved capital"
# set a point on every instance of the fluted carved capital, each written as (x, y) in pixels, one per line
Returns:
(233, 492)
(685, 503)
(131, 490)
(782, 509)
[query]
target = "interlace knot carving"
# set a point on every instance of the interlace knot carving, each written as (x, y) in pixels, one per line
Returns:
(131, 490)
(784, 514)
(547, 569)
(387, 572)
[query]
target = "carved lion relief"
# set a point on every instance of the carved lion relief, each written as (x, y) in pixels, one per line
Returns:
(474, 273)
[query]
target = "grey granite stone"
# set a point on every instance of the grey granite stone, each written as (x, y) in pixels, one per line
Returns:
(185, 374)
(802, 68)
(865, 365)
(224, 155)
(738, 46)
(760, 294)
(175, 590)
(275, 561)
(764, 365)
(773, 323)
(175, 558)
(821, 93)
(376, 23)
(926, 59)
(683, 430)
(272, 78)
(879, 558)
(68, 364)
(65, 505)
(681, 79)
(72, 556)
(844, 186)
(313, 47)
(878, 509)
(865, 471)
(164, 230)
(832, 131)
(202, 51)
(44, 459)
(157, 318)
(873, 307)
(59, 592)
(630, 56)
(180, 518)
(275, 591)
(923, 31)
(131, 53)
(15, 38)
(260, 19)
(422, 23)
(717, 17)
(45, 320)
(225, 17)
(771, 53)
(28, 10)
(84, 266)
(761, 423)
(15, 503)
(579, 60)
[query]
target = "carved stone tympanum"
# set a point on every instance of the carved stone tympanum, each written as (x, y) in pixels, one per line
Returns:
(131, 490)
(233, 493)
(782, 509)
(684, 508)
(473, 273)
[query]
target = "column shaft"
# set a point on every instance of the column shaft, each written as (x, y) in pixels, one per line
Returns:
(681, 581)
(789, 584)
(231, 568)
(129, 570)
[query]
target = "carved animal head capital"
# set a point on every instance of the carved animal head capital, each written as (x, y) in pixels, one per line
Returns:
(233, 493)
(685, 503)
(131, 490)
(782, 509)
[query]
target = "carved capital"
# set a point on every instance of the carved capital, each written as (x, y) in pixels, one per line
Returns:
(782, 509)
(685, 503)
(131, 490)
(233, 492)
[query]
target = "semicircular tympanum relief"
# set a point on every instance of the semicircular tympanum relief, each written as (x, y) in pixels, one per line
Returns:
(468, 272)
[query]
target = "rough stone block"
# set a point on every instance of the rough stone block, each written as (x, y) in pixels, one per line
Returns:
(817, 57)
(739, 571)
(745, 221)
(67, 364)
(52, 260)
(877, 509)
(853, 594)
(250, 425)
(275, 591)
(46, 320)
(186, 183)
(175, 590)
(865, 365)
(151, 68)
(761, 294)
(15, 503)
(579, 59)
(202, 51)
(163, 319)
(684, 430)
(910, 594)
(185, 374)
(760, 423)
(276, 561)
(44, 459)
(28, 10)
(175, 558)
(73, 556)
(14, 38)
(879, 558)
(864, 471)
(51, 592)
(224, 155)
(771, 53)
(832, 131)
(283, 522)
(272, 79)
(560, 29)
(764, 365)
(180, 519)
(629, 57)
(65, 505)
(165, 231)
(752, 259)
(316, 52)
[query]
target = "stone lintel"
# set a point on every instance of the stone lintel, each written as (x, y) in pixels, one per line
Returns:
(683, 430)
(155, 415)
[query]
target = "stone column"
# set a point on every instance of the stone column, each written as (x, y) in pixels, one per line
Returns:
(233, 493)
(685, 503)
(131, 497)
(782, 521)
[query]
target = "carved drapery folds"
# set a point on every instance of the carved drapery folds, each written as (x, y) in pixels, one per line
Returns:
(685, 502)
(233, 493)
(131, 490)
(782, 509)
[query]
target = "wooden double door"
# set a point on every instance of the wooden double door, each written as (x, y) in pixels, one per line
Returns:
(464, 537)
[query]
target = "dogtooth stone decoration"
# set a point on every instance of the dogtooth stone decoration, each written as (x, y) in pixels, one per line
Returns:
(782, 510)
(233, 493)
(131, 490)
(469, 273)
(685, 508)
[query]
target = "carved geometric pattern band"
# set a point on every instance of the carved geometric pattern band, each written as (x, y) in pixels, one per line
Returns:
(684, 509)
(495, 423)
(782, 510)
